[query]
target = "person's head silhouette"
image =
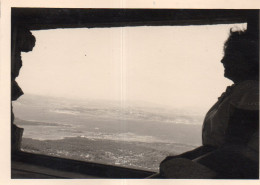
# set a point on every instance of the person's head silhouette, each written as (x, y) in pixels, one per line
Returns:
(241, 61)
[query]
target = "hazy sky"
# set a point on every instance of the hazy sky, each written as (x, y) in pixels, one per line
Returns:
(170, 65)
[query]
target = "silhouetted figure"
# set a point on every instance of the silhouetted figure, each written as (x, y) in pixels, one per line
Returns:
(22, 41)
(230, 130)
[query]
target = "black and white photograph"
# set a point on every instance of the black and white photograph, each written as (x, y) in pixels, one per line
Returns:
(128, 93)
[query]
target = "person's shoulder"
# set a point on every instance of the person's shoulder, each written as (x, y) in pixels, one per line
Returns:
(245, 95)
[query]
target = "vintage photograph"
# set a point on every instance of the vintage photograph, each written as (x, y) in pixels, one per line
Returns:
(134, 93)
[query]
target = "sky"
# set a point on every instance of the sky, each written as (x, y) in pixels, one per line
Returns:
(176, 66)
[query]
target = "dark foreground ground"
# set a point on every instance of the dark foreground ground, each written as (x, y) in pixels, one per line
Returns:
(139, 155)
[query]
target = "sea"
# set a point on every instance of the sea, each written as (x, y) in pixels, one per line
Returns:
(135, 134)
